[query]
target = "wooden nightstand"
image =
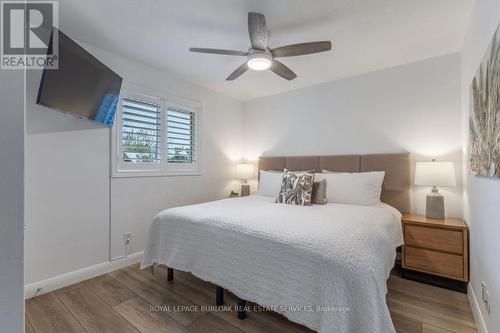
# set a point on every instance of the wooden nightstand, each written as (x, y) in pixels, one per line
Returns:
(436, 251)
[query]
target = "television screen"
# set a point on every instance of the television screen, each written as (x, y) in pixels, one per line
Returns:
(82, 85)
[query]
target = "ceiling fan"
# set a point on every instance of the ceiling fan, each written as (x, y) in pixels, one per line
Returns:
(260, 56)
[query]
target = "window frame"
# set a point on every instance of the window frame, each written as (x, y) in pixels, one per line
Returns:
(150, 169)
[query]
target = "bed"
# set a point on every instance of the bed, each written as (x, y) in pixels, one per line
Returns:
(323, 266)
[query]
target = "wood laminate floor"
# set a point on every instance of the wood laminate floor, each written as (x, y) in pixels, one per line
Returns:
(121, 302)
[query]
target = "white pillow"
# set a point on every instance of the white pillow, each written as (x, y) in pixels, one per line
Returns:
(270, 183)
(358, 188)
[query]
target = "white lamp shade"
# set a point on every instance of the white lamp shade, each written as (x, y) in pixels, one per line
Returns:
(435, 174)
(244, 171)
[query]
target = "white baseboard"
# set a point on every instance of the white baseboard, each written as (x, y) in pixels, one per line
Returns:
(48, 285)
(476, 311)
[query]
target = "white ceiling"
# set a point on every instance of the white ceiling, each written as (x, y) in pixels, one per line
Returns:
(367, 35)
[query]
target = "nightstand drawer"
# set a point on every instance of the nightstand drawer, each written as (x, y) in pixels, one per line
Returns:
(449, 240)
(433, 262)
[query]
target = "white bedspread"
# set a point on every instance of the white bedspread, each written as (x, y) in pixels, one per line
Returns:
(290, 258)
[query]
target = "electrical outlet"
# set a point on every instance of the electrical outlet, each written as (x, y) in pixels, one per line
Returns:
(487, 302)
(127, 238)
(485, 296)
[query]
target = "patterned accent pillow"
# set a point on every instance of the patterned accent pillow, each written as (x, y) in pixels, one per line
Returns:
(296, 189)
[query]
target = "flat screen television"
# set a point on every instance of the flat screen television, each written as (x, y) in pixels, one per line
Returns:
(82, 86)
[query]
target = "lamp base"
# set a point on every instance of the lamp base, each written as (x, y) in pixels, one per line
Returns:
(245, 190)
(434, 208)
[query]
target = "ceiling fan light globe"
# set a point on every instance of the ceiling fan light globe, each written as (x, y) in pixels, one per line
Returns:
(259, 64)
(259, 61)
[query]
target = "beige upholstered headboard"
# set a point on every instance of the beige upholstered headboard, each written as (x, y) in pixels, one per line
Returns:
(397, 181)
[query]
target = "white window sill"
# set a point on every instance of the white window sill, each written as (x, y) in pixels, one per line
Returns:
(142, 174)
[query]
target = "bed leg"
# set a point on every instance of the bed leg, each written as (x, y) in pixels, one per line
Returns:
(170, 274)
(241, 309)
(219, 296)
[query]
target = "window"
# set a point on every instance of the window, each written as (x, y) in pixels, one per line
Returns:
(181, 146)
(141, 132)
(155, 136)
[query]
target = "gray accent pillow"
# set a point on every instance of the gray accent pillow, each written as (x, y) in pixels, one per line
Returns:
(296, 189)
(319, 192)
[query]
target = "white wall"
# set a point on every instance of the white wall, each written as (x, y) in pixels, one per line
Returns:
(68, 176)
(12, 134)
(414, 107)
(481, 195)
(67, 188)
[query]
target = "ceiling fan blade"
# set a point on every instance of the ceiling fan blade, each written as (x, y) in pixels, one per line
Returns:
(279, 69)
(218, 51)
(237, 72)
(301, 49)
(257, 30)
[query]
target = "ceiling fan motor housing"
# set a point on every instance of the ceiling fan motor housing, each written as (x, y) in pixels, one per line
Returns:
(259, 60)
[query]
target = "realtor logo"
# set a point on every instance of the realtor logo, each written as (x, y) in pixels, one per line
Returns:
(27, 39)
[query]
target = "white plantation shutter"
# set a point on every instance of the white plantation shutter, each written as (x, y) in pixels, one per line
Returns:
(181, 138)
(155, 137)
(141, 132)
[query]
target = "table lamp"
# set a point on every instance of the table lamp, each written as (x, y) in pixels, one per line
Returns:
(435, 174)
(244, 172)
